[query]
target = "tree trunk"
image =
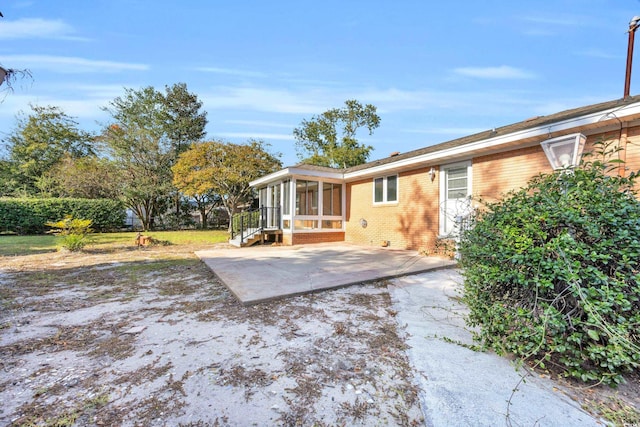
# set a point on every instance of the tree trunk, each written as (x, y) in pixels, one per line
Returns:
(203, 217)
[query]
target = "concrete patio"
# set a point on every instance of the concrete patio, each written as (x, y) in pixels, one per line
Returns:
(264, 273)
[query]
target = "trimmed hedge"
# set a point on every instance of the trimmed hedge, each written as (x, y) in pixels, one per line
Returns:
(28, 216)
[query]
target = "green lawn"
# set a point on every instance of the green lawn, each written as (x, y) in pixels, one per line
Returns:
(25, 245)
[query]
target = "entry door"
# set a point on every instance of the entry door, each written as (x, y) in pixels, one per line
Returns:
(273, 207)
(455, 189)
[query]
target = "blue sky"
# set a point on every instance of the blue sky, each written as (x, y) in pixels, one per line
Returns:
(434, 70)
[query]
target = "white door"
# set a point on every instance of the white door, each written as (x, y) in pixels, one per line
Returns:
(455, 205)
(273, 207)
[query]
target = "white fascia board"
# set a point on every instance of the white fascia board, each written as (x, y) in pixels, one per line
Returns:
(275, 176)
(291, 172)
(466, 151)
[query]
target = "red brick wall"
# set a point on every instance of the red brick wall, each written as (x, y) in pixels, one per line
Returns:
(411, 223)
(306, 238)
(632, 152)
(496, 174)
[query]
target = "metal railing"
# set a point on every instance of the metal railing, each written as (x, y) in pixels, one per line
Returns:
(249, 223)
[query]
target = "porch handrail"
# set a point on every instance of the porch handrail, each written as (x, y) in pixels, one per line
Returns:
(249, 223)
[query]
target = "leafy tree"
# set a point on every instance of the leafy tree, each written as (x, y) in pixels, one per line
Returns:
(148, 132)
(41, 140)
(87, 177)
(185, 122)
(224, 170)
(552, 273)
(191, 178)
(8, 180)
(138, 144)
(330, 139)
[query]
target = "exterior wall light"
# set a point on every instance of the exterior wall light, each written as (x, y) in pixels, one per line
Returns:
(432, 173)
(564, 152)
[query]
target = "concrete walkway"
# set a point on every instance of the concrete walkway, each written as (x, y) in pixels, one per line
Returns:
(460, 387)
(264, 273)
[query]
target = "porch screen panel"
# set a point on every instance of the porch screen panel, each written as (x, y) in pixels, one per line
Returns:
(263, 196)
(331, 199)
(286, 196)
(306, 197)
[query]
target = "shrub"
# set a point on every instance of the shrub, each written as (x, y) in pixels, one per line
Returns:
(28, 216)
(73, 231)
(552, 273)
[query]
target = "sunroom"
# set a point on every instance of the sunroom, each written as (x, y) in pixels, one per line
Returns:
(299, 204)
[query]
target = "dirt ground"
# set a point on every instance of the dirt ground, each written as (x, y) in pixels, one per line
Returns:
(149, 337)
(145, 337)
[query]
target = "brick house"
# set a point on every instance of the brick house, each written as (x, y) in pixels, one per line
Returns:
(409, 200)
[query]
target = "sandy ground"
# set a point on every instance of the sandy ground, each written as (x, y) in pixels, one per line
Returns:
(150, 337)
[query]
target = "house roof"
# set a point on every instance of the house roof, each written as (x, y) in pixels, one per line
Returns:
(532, 123)
(531, 131)
(300, 170)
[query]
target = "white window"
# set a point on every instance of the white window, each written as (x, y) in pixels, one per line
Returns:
(385, 189)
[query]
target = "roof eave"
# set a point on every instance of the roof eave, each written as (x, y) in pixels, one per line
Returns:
(485, 145)
(293, 171)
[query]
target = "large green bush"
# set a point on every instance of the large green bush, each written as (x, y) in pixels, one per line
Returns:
(552, 273)
(29, 216)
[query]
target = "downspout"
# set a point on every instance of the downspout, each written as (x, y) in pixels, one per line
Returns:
(622, 153)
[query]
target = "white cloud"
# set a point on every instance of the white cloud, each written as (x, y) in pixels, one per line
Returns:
(598, 53)
(559, 21)
(70, 64)
(231, 71)
(445, 131)
(308, 102)
(261, 123)
(500, 72)
(87, 109)
(105, 91)
(560, 104)
(248, 135)
(270, 100)
(30, 28)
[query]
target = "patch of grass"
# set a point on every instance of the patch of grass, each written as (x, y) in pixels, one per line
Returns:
(11, 245)
(184, 237)
(28, 245)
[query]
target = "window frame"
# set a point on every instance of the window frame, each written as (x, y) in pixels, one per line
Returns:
(385, 190)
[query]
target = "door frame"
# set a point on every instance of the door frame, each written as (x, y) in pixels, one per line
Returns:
(442, 217)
